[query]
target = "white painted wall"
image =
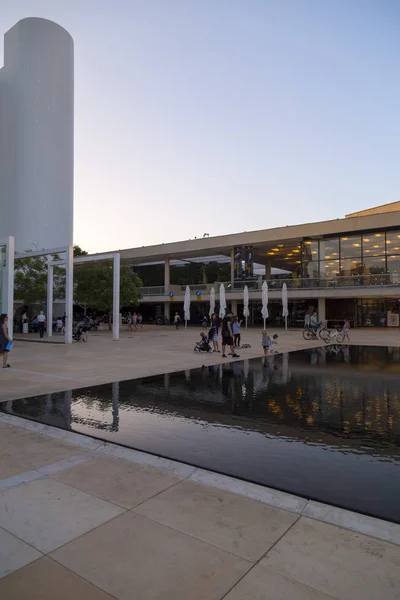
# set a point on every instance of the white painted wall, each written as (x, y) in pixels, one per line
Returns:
(36, 135)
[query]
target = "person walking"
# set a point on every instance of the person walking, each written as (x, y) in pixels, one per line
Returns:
(41, 319)
(85, 328)
(140, 321)
(227, 335)
(346, 329)
(130, 321)
(213, 333)
(177, 321)
(5, 340)
(236, 331)
(134, 321)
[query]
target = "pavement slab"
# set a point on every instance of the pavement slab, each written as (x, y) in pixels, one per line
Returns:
(239, 525)
(117, 480)
(47, 580)
(47, 513)
(134, 557)
(346, 565)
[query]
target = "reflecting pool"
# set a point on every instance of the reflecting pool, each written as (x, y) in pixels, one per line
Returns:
(321, 423)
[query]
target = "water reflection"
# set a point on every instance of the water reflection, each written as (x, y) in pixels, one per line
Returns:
(323, 423)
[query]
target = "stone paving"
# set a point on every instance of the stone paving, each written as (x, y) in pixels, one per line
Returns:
(88, 520)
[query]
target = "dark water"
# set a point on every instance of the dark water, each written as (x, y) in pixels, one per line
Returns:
(323, 423)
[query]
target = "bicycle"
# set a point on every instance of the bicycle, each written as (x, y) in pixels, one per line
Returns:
(311, 334)
(335, 335)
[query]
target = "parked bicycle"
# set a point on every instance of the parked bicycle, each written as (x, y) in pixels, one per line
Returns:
(335, 335)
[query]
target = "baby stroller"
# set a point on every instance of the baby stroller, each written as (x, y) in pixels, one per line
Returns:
(77, 333)
(203, 345)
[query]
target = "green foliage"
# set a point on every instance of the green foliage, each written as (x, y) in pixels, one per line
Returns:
(30, 283)
(79, 252)
(94, 286)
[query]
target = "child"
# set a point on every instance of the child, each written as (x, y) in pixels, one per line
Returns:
(346, 329)
(274, 341)
(268, 343)
(236, 331)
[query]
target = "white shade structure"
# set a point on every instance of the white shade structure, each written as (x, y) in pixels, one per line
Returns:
(285, 311)
(264, 300)
(246, 312)
(212, 302)
(222, 301)
(186, 306)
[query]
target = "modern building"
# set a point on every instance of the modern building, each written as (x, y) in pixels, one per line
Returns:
(345, 267)
(37, 135)
(36, 146)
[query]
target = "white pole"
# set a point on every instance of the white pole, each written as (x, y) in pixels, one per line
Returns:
(8, 281)
(69, 291)
(246, 322)
(49, 313)
(265, 320)
(116, 295)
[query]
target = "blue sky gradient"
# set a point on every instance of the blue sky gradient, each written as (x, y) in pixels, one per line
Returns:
(224, 115)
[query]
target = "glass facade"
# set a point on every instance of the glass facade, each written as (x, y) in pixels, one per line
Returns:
(373, 254)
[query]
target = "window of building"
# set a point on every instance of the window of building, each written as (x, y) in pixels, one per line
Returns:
(311, 269)
(329, 249)
(374, 244)
(393, 242)
(350, 267)
(350, 247)
(310, 250)
(374, 265)
(329, 268)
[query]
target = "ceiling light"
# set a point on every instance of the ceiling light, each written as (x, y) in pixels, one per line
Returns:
(271, 253)
(296, 251)
(280, 245)
(345, 239)
(366, 239)
(298, 262)
(356, 245)
(314, 252)
(378, 235)
(290, 254)
(327, 256)
(307, 243)
(275, 249)
(376, 246)
(334, 253)
(388, 241)
(367, 250)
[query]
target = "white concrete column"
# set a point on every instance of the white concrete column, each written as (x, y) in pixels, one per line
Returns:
(234, 306)
(8, 283)
(49, 312)
(166, 275)
(321, 310)
(167, 310)
(116, 289)
(69, 294)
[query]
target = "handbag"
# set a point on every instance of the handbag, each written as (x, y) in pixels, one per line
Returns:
(8, 346)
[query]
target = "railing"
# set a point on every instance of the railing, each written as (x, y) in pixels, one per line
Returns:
(385, 279)
(155, 290)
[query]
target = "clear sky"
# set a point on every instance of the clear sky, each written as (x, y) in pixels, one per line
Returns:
(221, 116)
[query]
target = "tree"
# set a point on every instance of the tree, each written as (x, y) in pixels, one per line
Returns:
(94, 286)
(30, 280)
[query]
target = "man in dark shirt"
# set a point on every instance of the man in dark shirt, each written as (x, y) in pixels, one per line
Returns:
(227, 335)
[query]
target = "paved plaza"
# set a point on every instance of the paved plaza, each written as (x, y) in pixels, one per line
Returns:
(84, 519)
